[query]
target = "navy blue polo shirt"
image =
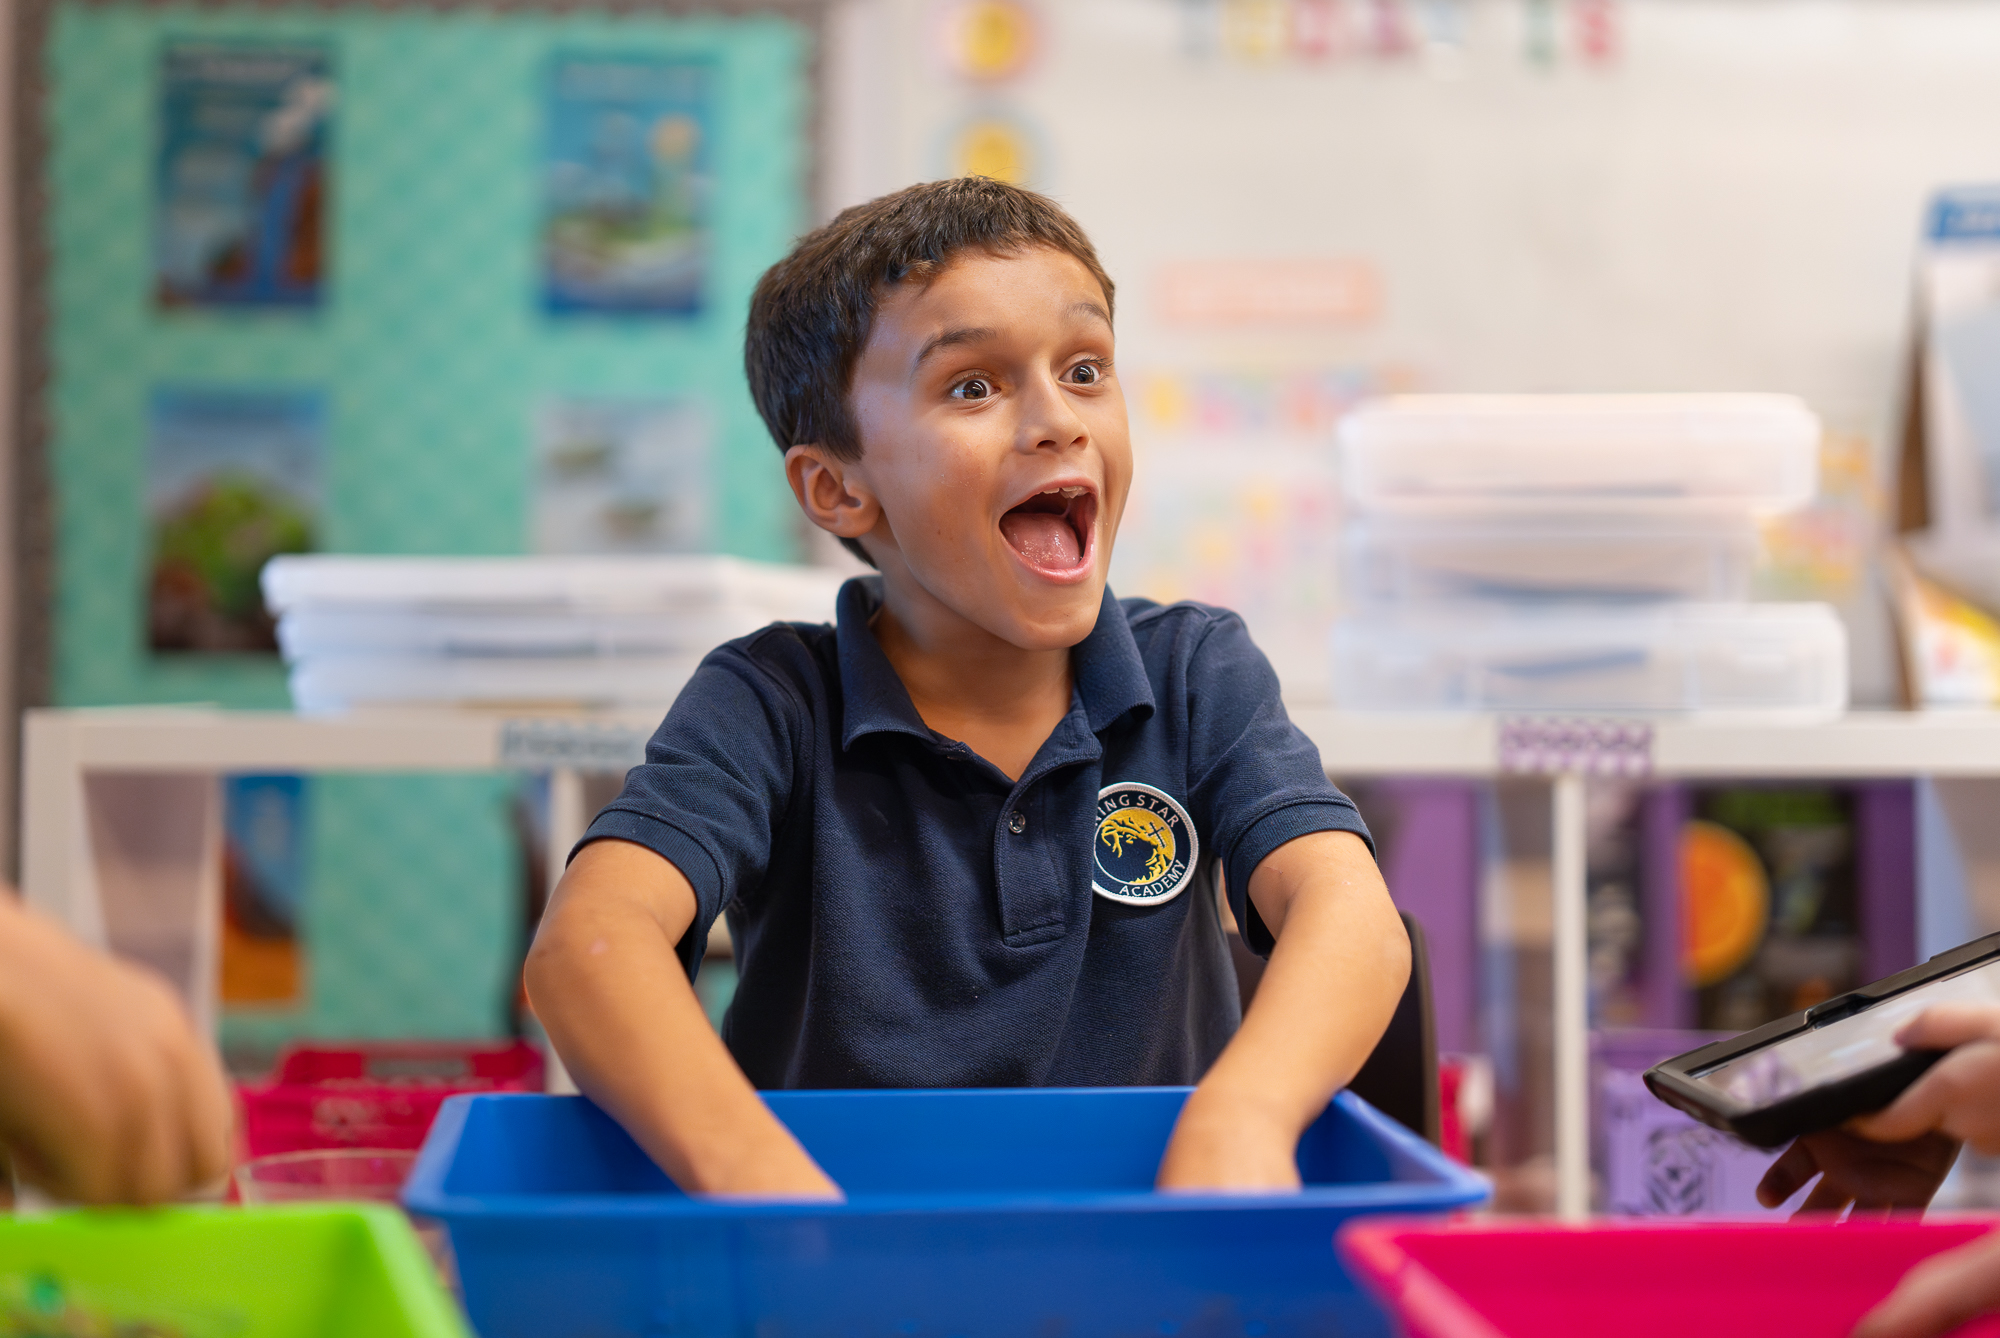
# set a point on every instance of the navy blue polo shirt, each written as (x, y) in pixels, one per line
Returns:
(904, 915)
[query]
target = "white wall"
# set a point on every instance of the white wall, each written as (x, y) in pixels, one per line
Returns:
(1730, 202)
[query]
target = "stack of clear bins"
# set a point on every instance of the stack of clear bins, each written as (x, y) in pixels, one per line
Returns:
(575, 631)
(1577, 554)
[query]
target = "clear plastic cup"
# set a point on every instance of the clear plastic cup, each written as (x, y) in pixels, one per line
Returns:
(334, 1175)
(373, 1175)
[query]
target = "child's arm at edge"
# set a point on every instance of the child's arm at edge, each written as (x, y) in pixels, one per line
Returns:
(606, 983)
(1335, 976)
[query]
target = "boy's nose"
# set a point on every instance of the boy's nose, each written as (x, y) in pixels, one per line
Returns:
(1050, 422)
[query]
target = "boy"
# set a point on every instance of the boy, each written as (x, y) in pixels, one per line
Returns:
(973, 835)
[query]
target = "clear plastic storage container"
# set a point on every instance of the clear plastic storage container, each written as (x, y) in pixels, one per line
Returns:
(569, 631)
(1785, 659)
(338, 682)
(528, 585)
(1400, 559)
(311, 633)
(1583, 454)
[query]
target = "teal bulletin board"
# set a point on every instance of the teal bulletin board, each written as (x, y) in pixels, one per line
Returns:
(431, 351)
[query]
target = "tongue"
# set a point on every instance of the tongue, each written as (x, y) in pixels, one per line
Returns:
(1044, 539)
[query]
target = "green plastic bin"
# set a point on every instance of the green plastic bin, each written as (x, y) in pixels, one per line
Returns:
(308, 1272)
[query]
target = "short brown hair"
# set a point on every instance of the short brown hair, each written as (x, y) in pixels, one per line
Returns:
(812, 311)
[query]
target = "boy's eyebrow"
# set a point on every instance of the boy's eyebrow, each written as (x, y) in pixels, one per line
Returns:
(971, 334)
(1091, 309)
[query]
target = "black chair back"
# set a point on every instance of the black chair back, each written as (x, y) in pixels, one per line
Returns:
(1400, 1078)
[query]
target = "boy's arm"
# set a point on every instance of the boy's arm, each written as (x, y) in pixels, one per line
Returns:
(1332, 985)
(606, 984)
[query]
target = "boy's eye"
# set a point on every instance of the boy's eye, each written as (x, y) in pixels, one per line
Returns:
(1086, 374)
(972, 388)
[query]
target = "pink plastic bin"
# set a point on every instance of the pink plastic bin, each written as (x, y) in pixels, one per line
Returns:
(1485, 1279)
(376, 1095)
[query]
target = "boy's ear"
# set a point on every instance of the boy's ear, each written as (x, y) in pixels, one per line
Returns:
(831, 491)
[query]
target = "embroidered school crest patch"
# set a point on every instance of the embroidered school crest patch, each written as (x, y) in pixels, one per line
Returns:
(1146, 846)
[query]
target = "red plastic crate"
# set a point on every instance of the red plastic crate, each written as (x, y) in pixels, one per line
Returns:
(377, 1095)
(1454, 1139)
(1487, 1279)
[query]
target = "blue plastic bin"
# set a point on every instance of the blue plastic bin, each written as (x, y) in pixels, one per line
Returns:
(969, 1213)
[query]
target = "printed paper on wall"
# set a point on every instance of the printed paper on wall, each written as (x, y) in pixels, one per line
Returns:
(623, 476)
(264, 881)
(627, 185)
(241, 181)
(232, 480)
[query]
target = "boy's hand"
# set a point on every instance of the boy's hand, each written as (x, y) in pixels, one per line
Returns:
(107, 1095)
(1336, 974)
(1873, 1177)
(1939, 1294)
(1218, 1150)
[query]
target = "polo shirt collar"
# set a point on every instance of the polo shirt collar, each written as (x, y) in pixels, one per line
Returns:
(873, 698)
(1110, 676)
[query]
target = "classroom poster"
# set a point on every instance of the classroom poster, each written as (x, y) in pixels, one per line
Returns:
(623, 476)
(241, 182)
(627, 185)
(1771, 917)
(263, 879)
(232, 480)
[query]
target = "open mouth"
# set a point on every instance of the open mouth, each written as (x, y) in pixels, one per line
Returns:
(1053, 530)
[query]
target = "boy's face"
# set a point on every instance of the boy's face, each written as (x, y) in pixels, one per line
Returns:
(995, 443)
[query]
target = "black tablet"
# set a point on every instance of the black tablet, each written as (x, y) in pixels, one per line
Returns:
(1815, 1069)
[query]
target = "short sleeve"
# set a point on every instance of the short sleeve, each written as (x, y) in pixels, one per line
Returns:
(714, 787)
(1255, 779)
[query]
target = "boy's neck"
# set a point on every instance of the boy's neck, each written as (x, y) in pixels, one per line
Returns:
(967, 683)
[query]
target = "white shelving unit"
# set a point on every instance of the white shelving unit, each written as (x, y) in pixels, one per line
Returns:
(1856, 746)
(187, 750)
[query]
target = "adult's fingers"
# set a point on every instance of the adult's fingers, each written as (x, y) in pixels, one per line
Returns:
(191, 1116)
(156, 1168)
(139, 1152)
(1826, 1197)
(1960, 1095)
(211, 1114)
(194, 1086)
(1784, 1177)
(1943, 1026)
(1939, 1294)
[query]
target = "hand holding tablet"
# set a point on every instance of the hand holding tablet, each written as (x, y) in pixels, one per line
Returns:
(1850, 1056)
(1960, 1095)
(1877, 1088)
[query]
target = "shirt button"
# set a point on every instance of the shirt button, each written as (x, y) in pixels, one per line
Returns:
(1017, 822)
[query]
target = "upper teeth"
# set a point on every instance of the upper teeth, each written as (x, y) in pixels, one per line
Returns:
(1071, 491)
